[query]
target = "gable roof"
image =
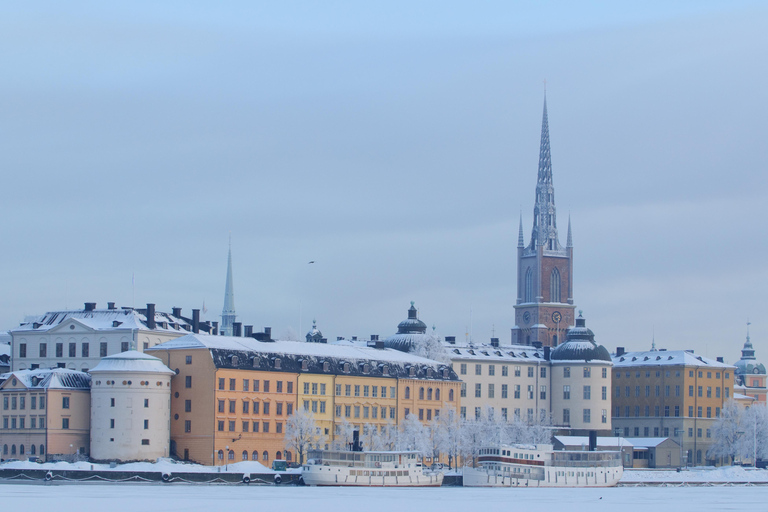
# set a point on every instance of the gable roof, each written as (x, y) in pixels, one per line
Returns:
(49, 378)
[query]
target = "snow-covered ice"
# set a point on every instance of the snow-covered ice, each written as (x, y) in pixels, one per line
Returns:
(206, 498)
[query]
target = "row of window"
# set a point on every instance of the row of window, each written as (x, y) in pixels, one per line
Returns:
(85, 349)
(586, 371)
(11, 450)
(13, 402)
(20, 422)
(429, 394)
(263, 426)
(247, 407)
(254, 455)
(355, 411)
(668, 373)
(656, 410)
(665, 431)
(586, 416)
(257, 385)
(372, 391)
(726, 392)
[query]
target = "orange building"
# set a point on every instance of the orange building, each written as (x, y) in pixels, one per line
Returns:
(231, 396)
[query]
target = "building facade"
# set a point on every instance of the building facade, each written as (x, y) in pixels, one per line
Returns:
(79, 339)
(674, 394)
(253, 387)
(750, 376)
(544, 310)
(45, 413)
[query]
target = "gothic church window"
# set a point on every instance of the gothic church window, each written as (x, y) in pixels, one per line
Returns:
(554, 286)
(529, 285)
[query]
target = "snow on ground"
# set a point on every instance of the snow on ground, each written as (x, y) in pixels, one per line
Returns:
(206, 498)
(706, 474)
(162, 465)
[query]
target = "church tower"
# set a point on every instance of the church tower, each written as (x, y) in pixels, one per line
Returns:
(228, 312)
(544, 311)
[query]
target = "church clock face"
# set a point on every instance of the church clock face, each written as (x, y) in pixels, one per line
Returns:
(527, 317)
(556, 317)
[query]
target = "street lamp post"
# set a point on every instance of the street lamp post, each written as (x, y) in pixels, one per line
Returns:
(226, 464)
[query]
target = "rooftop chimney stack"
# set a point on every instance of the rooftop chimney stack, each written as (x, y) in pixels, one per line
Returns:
(176, 312)
(451, 340)
(495, 342)
(720, 359)
(150, 316)
(248, 331)
(90, 306)
(268, 332)
(196, 321)
(619, 351)
(111, 305)
(237, 329)
(215, 329)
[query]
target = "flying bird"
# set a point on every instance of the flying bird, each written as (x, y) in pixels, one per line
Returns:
(310, 262)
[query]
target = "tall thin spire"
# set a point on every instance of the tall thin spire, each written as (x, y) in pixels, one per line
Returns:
(228, 312)
(544, 231)
(569, 242)
(520, 238)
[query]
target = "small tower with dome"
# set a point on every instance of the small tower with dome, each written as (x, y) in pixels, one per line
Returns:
(411, 332)
(581, 383)
(314, 335)
(750, 374)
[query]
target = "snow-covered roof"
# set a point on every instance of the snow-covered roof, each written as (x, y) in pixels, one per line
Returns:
(131, 361)
(580, 351)
(603, 442)
(255, 354)
(104, 319)
(647, 442)
(49, 378)
(489, 353)
(5, 349)
(665, 357)
(739, 396)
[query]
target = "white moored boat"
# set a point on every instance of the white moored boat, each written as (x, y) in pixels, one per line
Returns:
(541, 466)
(369, 469)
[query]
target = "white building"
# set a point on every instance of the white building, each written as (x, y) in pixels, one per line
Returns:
(130, 408)
(79, 339)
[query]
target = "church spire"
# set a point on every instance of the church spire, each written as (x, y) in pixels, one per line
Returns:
(520, 238)
(544, 231)
(569, 243)
(228, 312)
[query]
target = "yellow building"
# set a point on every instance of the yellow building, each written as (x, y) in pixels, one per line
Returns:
(673, 394)
(46, 413)
(231, 396)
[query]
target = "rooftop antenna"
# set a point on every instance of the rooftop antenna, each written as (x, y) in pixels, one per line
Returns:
(748, 324)
(133, 287)
(653, 340)
(493, 330)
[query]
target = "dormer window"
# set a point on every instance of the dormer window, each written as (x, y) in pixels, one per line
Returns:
(326, 366)
(385, 370)
(304, 365)
(234, 360)
(445, 373)
(412, 371)
(429, 373)
(278, 363)
(366, 368)
(255, 362)
(347, 368)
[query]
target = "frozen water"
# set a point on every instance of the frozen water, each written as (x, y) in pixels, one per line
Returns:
(205, 498)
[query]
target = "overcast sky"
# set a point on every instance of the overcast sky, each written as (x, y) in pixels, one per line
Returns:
(394, 144)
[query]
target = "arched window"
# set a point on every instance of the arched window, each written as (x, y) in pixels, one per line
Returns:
(429, 394)
(279, 455)
(554, 286)
(42, 449)
(245, 454)
(255, 455)
(288, 456)
(265, 455)
(221, 454)
(528, 297)
(407, 392)
(21, 449)
(437, 394)
(421, 393)
(5, 449)
(450, 395)
(32, 450)
(13, 449)
(231, 455)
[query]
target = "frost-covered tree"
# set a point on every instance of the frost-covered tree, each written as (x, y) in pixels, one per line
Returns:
(539, 431)
(450, 424)
(387, 439)
(301, 432)
(726, 433)
(754, 429)
(472, 439)
(344, 435)
(413, 435)
(431, 348)
(437, 438)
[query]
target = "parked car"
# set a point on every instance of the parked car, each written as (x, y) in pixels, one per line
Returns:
(279, 465)
(35, 459)
(437, 466)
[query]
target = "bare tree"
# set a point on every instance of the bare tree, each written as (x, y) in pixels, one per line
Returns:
(725, 432)
(413, 435)
(301, 432)
(450, 424)
(343, 435)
